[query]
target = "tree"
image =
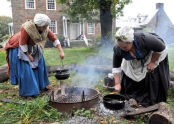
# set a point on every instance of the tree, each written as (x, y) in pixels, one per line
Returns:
(105, 10)
(4, 20)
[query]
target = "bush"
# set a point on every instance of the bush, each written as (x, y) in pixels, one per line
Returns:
(61, 39)
(5, 37)
(97, 40)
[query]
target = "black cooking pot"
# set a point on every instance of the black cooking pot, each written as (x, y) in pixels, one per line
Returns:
(62, 74)
(109, 82)
(114, 101)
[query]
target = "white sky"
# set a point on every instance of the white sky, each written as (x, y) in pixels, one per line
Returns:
(137, 6)
(5, 8)
(147, 7)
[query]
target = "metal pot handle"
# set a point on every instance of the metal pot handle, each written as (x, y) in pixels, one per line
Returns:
(62, 63)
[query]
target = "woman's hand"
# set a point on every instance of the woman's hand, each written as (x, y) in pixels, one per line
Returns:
(117, 82)
(61, 55)
(30, 58)
(118, 87)
(150, 66)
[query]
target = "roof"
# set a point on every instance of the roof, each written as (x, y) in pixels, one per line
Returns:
(157, 22)
(136, 22)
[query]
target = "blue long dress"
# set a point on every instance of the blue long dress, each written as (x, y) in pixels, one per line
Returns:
(30, 81)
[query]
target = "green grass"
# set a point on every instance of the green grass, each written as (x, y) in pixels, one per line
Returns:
(75, 55)
(27, 112)
(171, 57)
(2, 58)
(39, 111)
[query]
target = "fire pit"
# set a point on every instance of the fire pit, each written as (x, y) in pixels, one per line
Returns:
(74, 98)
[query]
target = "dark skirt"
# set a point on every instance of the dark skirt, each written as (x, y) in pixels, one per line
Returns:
(152, 89)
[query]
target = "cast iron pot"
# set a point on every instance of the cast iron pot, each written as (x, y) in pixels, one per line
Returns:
(109, 82)
(62, 74)
(114, 101)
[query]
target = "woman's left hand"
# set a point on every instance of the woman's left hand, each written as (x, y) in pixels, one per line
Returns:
(61, 55)
(150, 66)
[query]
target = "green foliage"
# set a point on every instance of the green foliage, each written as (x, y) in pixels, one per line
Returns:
(170, 99)
(5, 37)
(90, 8)
(60, 37)
(85, 113)
(29, 112)
(2, 58)
(97, 40)
(4, 20)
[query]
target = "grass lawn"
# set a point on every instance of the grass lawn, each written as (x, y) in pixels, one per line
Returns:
(2, 58)
(171, 57)
(75, 55)
(38, 110)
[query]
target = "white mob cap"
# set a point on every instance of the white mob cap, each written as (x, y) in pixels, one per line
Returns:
(41, 20)
(125, 34)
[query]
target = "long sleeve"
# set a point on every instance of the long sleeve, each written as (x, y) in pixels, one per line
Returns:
(52, 37)
(117, 60)
(24, 37)
(152, 42)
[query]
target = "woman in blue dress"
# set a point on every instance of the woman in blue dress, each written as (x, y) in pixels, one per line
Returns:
(25, 56)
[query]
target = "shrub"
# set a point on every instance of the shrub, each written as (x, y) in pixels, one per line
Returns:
(61, 39)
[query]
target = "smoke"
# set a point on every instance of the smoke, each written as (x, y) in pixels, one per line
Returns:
(94, 69)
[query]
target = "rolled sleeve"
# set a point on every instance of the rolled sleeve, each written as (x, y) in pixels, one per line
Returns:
(116, 70)
(161, 51)
(56, 42)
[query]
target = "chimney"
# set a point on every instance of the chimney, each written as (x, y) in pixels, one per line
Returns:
(159, 5)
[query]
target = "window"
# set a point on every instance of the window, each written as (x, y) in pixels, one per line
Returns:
(30, 4)
(51, 4)
(91, 28)
(53, 26)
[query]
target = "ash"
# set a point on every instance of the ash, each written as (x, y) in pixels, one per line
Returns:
(103, 111)
(80, 120)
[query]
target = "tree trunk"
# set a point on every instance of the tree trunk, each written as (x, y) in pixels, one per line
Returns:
(106, 22)
(162, 116)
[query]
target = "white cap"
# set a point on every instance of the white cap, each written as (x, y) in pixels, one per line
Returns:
(41, 20)
(126, 34)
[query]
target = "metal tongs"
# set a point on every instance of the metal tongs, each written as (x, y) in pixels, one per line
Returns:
(62, 81)
(62, 66)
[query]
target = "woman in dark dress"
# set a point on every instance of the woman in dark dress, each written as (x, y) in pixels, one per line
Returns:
(140, 66)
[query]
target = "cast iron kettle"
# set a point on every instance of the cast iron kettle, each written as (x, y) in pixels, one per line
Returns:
(62, 74)
(114, 101)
